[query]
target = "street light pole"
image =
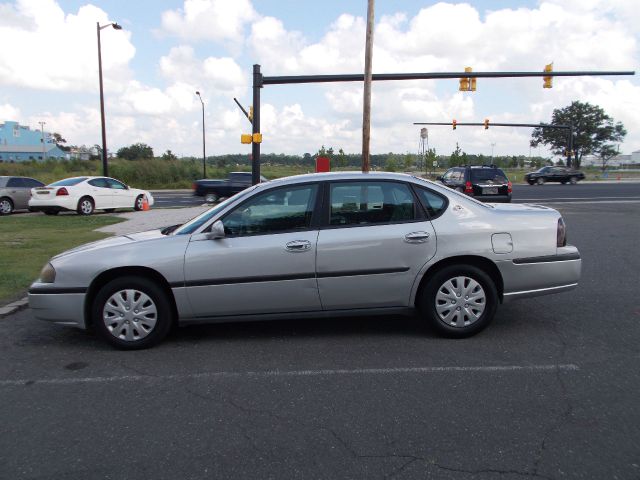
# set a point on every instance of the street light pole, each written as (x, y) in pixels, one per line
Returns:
(44, 151)
(105, 167)
(204, 153)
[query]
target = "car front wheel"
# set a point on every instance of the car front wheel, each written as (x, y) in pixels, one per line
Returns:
(540, 181)
(459, 301)
(6, 206)
(85, 206)
(573, 180)
(139, 203)
(211, 198)
(132, 313)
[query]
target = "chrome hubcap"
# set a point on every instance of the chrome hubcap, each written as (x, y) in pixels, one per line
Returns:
(5, 206)
(130, 315)
(140, 203)
(460, 301)
(86, 206)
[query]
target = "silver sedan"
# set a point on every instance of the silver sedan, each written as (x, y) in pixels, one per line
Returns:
(314, 246)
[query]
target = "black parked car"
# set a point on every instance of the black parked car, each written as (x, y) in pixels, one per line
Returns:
(214, 190)
(554, 174)
(487, 183)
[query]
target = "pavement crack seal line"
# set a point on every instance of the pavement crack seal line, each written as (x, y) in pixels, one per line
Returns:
(290, 373)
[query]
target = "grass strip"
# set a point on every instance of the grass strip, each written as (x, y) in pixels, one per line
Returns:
(27, 242)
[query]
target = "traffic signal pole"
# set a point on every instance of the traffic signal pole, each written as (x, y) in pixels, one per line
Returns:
(260, 81)
(569, 128)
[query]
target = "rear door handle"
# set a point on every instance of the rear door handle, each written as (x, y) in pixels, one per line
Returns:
(298, 246)
(416, 237)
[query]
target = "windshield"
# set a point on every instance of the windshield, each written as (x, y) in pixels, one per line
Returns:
(68, 182)
(195, 223)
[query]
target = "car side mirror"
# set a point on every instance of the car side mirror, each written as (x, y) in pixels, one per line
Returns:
(217, 231)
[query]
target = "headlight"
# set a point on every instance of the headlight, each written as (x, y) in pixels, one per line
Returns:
(48, 274)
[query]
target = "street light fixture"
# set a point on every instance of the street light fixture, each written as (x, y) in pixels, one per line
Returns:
(204, 154)
(105, 167)
(44, 151)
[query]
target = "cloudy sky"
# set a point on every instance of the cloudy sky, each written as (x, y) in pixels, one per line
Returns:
(169, 49)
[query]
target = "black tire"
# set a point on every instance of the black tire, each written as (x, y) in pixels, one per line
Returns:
(427, 300)
(137, 206)
(531, 183)
(164, 316)
(563, 182)
(6, 206)
(573, 180)
(109, 210)
(86, 206)
(540, 181)
(211, 197)
(51, 212)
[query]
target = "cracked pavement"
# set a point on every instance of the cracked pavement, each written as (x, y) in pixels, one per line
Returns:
(164, 422)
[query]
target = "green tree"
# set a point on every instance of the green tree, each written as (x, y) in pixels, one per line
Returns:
(169, 155)
(594, 131)
(137, 151)
(607, 152)
(341, 159)
(456, 156)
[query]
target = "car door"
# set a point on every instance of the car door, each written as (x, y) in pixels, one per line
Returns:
(376, 241)
(100, 192)
(265, 263)
(18, 192)
(121, 196)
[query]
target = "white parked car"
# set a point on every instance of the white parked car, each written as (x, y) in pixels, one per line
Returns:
(86, 194)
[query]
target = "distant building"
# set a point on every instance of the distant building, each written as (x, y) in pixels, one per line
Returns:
(19, 143)
(617, 161)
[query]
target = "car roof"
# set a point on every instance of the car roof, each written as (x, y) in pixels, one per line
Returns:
(355, 175)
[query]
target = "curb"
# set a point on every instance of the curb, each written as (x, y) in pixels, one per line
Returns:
(13, 307)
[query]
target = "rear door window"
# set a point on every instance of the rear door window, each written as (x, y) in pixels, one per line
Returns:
(15, 182)
(365, 203)
(99, 182)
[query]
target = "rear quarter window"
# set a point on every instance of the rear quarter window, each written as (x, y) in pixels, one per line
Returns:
(434, 203)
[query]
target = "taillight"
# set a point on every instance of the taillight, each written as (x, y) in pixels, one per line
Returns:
(194, 186)
(468, 188)
(62, 191)
(562, 234)
(509, 187)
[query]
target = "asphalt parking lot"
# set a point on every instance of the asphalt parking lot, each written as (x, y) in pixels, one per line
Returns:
(549, 390)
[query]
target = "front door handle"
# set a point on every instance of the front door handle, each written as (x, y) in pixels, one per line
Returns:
(298, 246)
(416, 237)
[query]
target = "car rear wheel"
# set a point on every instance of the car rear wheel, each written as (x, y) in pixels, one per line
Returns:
(573, 180)
(540, 181)
(132, 313)
(211, 198)
(86, 206)
(6, 206)
(459, 301)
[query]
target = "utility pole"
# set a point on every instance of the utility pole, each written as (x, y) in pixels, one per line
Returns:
(366, 104)
(44, 150)
(204, 153)
(492, 145)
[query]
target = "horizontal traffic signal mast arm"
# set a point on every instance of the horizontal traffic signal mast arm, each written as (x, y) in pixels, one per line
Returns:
(266, 80)
(492, 124)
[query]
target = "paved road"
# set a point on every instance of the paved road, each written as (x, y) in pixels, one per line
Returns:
(550, 390)
(594, 192)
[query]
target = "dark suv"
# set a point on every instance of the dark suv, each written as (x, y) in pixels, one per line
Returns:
(485, 182)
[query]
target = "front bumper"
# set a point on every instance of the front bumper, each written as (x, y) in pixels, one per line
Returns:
(61, 308)
(536, 276)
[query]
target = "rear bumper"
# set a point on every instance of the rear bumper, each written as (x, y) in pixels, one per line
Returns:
(536, 276)
(58, 204)
(493, 198)
(60, 308)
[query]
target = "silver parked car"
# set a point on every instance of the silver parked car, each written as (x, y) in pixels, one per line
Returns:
(314, 246)
(15, 193)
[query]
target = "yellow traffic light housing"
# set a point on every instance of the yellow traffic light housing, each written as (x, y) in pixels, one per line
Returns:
(486, 124)
(548, 81)
(455, 124)
(246, 138)
(467, 84)
(251, 114)
(257, 138)
(464, 84)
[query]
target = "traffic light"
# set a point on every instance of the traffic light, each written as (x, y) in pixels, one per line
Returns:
(246, 138)
(464, 84)
(471, 81)
(251, 114)
(455, 124)
(486, 124)
(548, 81)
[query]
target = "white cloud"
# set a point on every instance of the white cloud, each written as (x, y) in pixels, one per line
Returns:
(46, 49)
(216, 20)
(9, 112)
